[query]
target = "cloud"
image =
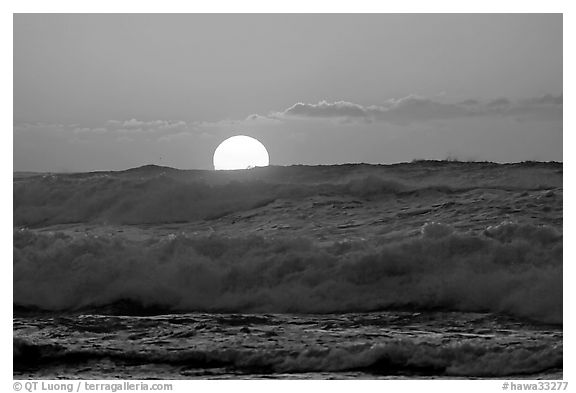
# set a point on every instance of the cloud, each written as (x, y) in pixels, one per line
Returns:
(420, 109)
(547, 99)
(134, 125)
(118, 130)
(402, 111)
(88, 130)
(58, 127)
(255, 118)
(545, 107)
(327, 109)
(416, 108)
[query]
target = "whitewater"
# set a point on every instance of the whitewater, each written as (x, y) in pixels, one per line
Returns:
(418, 270)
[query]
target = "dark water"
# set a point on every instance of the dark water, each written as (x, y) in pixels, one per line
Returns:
(276, 272)
(330, 346)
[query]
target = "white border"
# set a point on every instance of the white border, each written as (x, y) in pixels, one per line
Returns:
(307, 6)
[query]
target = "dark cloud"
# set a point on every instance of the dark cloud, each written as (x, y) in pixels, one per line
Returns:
(418, 109)
(545, 100)
(415, 108)
(547, 107)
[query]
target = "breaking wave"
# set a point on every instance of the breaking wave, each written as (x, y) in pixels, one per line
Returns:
(56, 199)
(392, 358)
(511, 268)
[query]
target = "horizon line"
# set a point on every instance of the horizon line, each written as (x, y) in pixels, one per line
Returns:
(414, 161)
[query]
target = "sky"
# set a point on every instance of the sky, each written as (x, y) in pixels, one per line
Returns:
(115, 91)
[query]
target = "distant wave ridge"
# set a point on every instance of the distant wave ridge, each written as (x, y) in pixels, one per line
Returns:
(103, 198)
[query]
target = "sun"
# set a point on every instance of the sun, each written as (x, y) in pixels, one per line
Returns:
(240, 152)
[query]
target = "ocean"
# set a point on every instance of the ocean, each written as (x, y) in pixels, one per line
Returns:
(376, 345)
(420, 270)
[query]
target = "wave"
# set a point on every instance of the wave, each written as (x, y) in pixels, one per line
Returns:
(160, 199)
(510, 268)
(161, 195)
(399, 357)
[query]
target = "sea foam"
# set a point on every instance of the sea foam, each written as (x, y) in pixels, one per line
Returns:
(511, 268)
